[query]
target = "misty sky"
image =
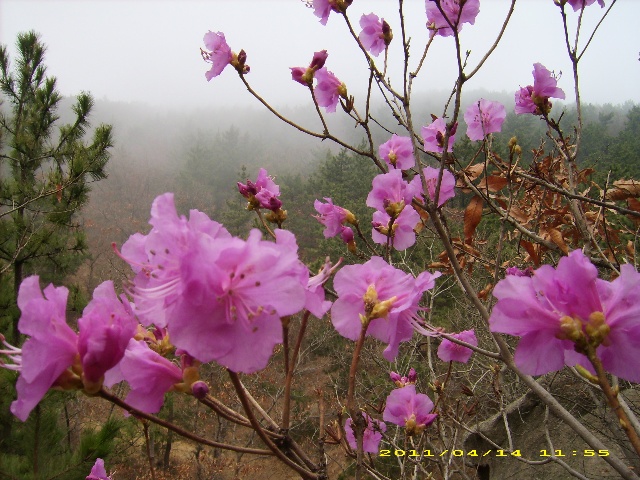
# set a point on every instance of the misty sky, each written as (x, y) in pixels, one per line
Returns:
(148, 51)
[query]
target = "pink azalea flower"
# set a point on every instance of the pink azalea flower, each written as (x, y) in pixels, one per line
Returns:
(484, 117)
(401, 381)
(535, 99)
(580, 4)
(315, 299)
(403, 234)
(149, 375)
(372, 434)
(557, 310)
(375, 34)
(230, 311)
(433, 136)
(263, 193)
(391, 193)
(157, 257)
(385, 296)
(409, 409)
(398, 152)
(106, 326)
(449, 351)
(219, 54)
(328, 90)
(456, 15)
(322, 8)
(305, 75)
(332, 217)
(527, 272)
(98, 471)
(50, 349)
(447, 187)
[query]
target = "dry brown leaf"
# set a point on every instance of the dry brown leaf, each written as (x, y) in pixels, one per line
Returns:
(556, 237)
(472, 217)
(492, 183)
(531, 250)
(624, 189)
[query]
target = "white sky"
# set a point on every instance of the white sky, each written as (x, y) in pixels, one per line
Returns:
(148, 51)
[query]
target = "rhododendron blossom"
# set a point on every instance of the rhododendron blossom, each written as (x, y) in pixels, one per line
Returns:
(328, 90)
(263, 193)
(157, 257)
(385, 298)
(391, 193)
(219, 54)
(305, 75)
(535, 99)
(397, 152)
(447, 186)
(409, 409)
(433, 136)
(332, 217)
(375, 35)
(484, 117)
(449, 351)
(98, 471)
(579, 4)
(371, 436)
(322, 8)
(454, 14)
(401, 381)
(402, 231)
(559, 313)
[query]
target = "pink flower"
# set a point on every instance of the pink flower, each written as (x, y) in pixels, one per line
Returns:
(332, 217)
(315, 300)
(50, 349)
(580, 4)
(433, 136)
(149, 375)
(157, 257)
(535, 99)
(449, 351)
(447, 187)
(409, 409)
(484, 117)
(305, 75)
(454, 14)
(375, 35)
(398, 152)
(391, 193)
(98, 471)
(402, 232)
(328, 90)
(106, 326)
(219, 54)
(263, 193)
(401, 381)
(322, 8)
(556, 312)
(230, 311)
(372, 434)
(385, 297)
(527, 272)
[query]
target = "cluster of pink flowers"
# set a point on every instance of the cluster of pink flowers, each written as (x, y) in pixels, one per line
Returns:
(305, 75)
(560, 313)
(263, 193)
(383, 297)
(442, 15)
(56, 356)
(535, 98)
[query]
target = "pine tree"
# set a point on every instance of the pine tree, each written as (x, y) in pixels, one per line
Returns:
(44, 173)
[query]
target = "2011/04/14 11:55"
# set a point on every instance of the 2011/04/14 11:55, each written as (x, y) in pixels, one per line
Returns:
(495, 453)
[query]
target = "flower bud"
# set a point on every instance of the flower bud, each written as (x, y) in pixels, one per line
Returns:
(200, 389)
